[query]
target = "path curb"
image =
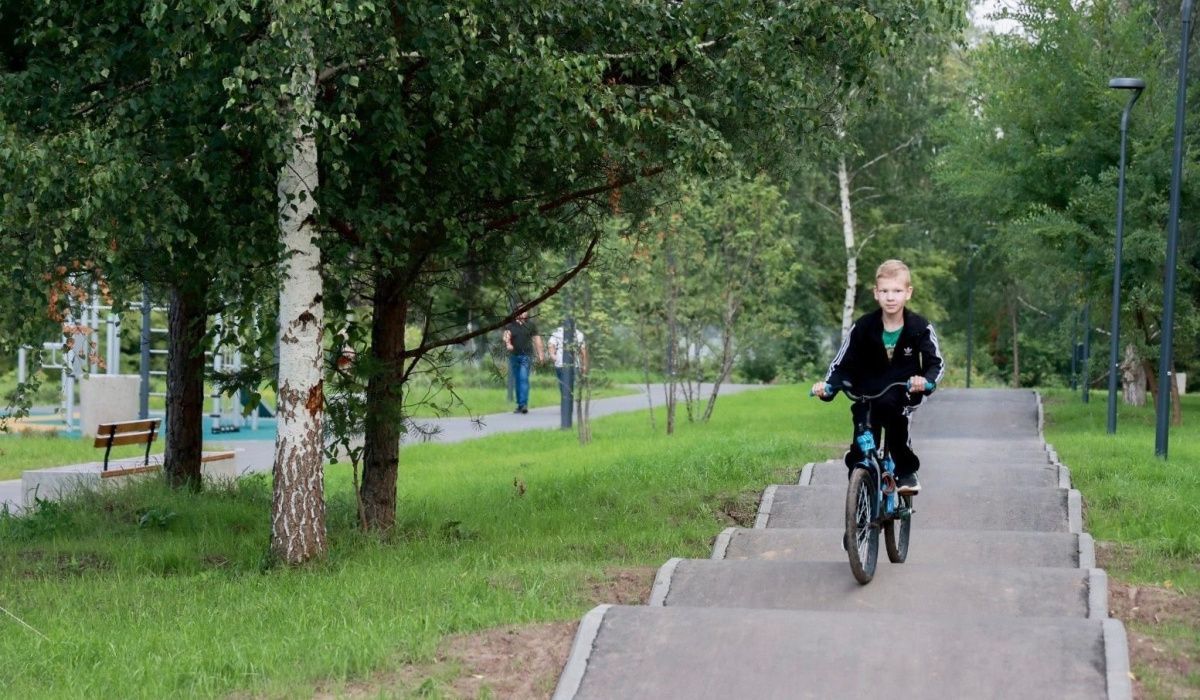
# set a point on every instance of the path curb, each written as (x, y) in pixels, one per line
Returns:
(1116, 661)
(581, 651)
(721, 545)
(662, 583)
(764, 507)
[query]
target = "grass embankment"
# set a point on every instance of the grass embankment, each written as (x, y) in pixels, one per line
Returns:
(150, 594)
(1145, 515)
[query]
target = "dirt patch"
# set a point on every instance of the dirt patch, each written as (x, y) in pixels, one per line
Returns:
(623, 586)
(1165, 665)
(510, 662)
(739, 510)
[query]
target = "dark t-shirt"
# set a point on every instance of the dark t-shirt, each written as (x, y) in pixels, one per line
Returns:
(522, 337)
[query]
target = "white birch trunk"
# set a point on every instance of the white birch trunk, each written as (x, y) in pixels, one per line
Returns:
(298, 504)
(851, 253)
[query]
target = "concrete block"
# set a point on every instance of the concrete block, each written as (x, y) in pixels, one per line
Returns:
(107, 398)
(56, 483)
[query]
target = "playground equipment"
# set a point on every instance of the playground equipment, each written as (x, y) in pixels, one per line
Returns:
(84, 345)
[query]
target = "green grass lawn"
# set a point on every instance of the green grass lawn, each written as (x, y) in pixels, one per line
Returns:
(146, 593)
(482, 400)
(1145, 515)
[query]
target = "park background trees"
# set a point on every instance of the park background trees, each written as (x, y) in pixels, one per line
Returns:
(399, 180)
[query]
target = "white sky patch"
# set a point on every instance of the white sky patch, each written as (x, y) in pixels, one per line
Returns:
(982, 11)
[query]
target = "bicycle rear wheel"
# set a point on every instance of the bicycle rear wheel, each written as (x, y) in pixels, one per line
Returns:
(862, 539)
(896, 531)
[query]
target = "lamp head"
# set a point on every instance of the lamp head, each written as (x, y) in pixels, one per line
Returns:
(1127, 84)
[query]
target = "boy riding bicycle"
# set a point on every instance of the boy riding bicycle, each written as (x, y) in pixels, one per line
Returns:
(889, 345)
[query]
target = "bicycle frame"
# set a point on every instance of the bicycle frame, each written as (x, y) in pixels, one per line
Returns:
(883, 471)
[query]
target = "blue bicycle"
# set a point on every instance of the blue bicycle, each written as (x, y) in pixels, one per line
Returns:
(873, 501)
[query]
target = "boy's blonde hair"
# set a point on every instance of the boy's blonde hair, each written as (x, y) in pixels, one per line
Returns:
(893, 268)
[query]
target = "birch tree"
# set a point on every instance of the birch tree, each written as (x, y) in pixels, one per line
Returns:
(298, 501)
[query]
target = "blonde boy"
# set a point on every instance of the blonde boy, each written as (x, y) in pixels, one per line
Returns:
(890, 344)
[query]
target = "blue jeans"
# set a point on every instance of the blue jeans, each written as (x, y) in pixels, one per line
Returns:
(518, 365)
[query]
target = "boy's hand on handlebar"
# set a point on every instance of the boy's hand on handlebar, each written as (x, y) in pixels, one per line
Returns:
(918, 384)
(819, 390)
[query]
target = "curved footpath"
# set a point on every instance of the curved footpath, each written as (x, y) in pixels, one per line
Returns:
(1000, 597)
(259, 455)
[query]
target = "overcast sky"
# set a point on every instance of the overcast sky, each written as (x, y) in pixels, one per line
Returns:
(983, 8)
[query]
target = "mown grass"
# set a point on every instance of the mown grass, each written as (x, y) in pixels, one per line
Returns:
(1146, 511)
(147, 593)
(484, 399)
(1133, 498)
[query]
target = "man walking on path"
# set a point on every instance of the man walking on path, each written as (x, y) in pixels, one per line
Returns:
(523, 343)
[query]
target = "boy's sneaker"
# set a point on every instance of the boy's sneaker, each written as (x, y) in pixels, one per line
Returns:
(908, 484)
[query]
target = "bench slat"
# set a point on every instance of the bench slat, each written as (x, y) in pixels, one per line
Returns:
(128, 426)
(126, 471)
(124, 439)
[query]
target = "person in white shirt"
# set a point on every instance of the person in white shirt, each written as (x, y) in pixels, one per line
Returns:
(567, 358)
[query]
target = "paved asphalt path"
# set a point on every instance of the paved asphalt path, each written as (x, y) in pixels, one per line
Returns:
(999, 598)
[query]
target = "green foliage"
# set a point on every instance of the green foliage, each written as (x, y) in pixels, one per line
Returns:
(1029, 171)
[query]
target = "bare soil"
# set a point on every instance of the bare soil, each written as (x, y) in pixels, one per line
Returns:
(1165, 665)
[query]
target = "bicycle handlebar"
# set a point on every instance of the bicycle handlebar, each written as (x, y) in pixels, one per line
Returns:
(830, 390)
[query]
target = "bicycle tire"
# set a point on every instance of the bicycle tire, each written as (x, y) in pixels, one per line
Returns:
(862, 539)
(896, 533)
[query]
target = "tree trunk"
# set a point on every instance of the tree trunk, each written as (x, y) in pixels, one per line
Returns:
(385, 406)
(298, 499)
(1133, 377)
(672, 337)
(727, 354)
(187, 322)
(851, 252)
(1016, 347)
(644, 336)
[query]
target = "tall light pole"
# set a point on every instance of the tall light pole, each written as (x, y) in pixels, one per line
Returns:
(971, 310)
(1163, 407)
(1137, 85)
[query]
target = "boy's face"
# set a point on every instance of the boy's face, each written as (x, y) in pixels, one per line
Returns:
(892, 293)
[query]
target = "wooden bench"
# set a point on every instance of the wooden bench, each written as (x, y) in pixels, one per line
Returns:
(131, 432)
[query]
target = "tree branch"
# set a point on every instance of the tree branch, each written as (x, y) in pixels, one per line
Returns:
(332, 71)
(573, 196)
(427, 345)
(881, 156)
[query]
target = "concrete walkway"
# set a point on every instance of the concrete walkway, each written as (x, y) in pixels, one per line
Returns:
(999, 598)
(259, 455)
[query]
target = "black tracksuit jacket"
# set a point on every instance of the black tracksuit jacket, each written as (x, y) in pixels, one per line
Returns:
(863, 361)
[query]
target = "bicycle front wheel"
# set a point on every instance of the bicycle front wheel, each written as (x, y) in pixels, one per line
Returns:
(862, 539)
(895, 533)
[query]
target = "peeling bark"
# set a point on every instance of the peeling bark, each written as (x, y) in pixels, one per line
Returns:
(298, 501)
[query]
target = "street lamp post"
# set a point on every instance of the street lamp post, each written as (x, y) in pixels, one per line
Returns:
(1163, 407)
(1137, 85)
(1086, 360)
(971, 310)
